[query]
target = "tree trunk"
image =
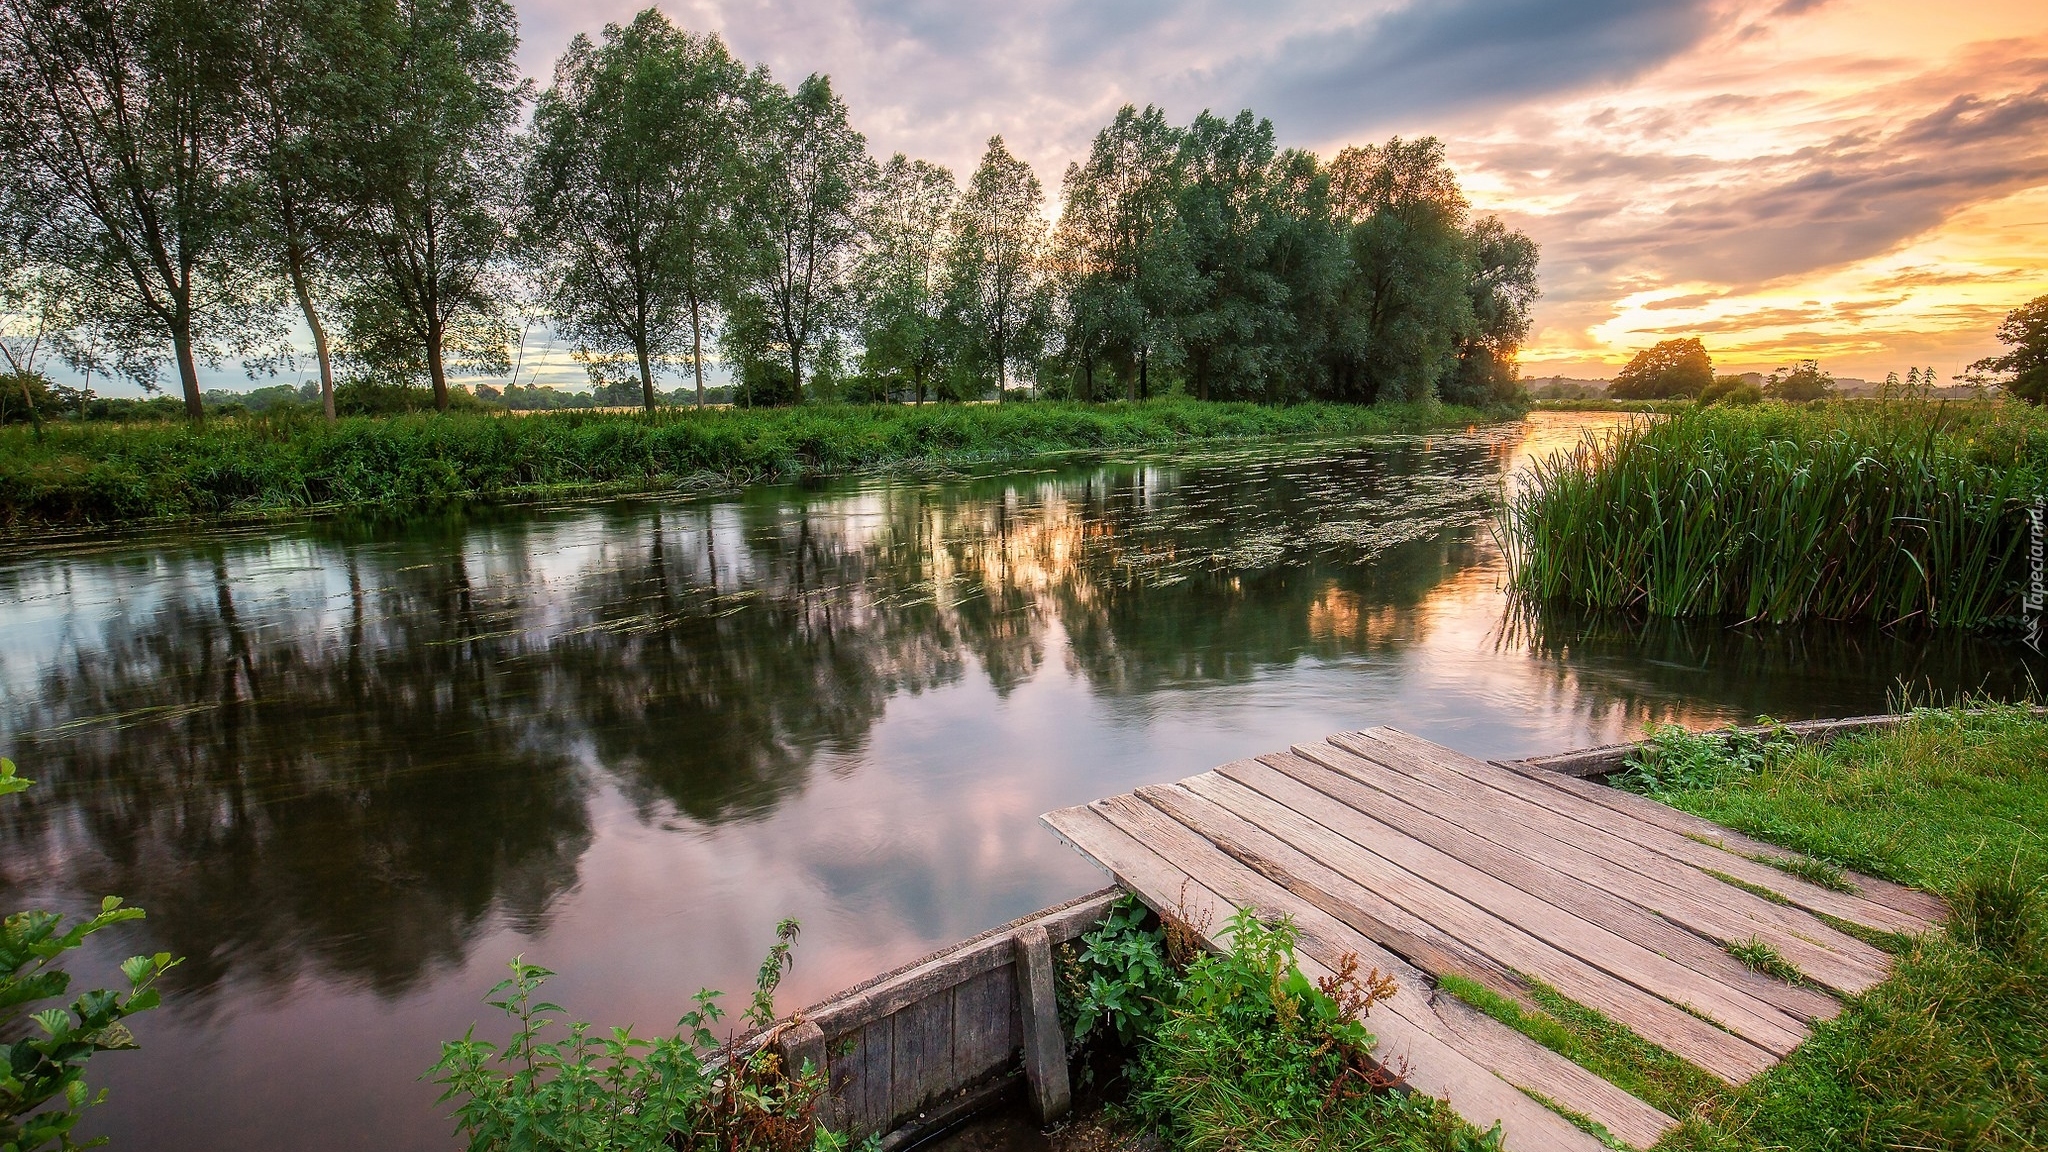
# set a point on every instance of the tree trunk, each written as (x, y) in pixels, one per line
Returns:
(188, 368)
(1002, 368)
(697, 347)
(796, 374)
(1088, 377)
(646, 375)
(435, 370)
(304, 290)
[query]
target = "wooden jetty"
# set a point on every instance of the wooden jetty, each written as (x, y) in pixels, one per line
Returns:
(1424, 862)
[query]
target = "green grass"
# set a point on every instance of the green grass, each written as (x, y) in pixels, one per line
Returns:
(112, 474)
(1846, 511)
(1951, 1052)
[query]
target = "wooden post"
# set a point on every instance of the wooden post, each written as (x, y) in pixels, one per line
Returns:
(801, 1044)
(1045, 1046)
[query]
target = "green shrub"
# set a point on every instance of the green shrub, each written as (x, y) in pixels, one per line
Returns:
(43, 1092)
(1671, 759)
(559, 1086)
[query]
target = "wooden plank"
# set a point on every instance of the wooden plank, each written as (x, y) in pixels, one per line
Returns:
(1368, 913)
(1432, 1066)
(1924, 906)
(1234, 817)
(1618, 955)
(868, 1096)
(1801, 893)
(1668, 887)
(1045, 1045)
(922, 1034)
(982, 1036)
(1540, 879)
(1539, 1070)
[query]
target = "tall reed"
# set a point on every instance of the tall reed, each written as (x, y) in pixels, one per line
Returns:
(1890, 513)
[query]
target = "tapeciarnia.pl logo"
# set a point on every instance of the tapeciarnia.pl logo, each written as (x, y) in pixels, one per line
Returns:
(2037, 572)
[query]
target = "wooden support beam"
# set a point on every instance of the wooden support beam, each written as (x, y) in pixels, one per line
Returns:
(1045, 1046)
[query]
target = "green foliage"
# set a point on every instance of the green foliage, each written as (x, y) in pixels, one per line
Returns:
(1672, 759)
(110, 474)
(1800, 383)
(560, 1086)
(43, 1092)
(2023, 368)
(1732, 392)
(1877, 512)
(1253, 1056)
(1120, 977)
(1670, 370)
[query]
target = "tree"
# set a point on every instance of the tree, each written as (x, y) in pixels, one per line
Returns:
(302, 99)
(2024, 369)
(1502, 288)
(1670, 369)
(1234, 320)
(994, 264)
(902, 266)
(632, 186)
(1802, 382)
(120, 123)
(813, 168)
(432, 232)
(1405, 309)
(1118, 248)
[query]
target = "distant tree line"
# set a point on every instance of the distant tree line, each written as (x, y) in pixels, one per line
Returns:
(193, 181)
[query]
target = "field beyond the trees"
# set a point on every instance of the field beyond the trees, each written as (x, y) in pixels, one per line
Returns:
(245, 467)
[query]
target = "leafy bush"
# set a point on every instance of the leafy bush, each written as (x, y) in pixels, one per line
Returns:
(1671, 759)
(1120, 977)
(43, 1092)
(1254, 1056)
(558, 1086)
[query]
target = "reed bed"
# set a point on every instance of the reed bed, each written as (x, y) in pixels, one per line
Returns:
(1886, 513)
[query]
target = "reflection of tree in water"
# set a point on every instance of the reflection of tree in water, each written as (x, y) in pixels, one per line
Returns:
(1653, 670)
(354, 749)
(348, 797)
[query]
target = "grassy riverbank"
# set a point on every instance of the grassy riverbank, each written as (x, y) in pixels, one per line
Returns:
(89, 474)
(1952, 1051)
(1891, 513)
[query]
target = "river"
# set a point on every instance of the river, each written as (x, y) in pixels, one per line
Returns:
(352, 768)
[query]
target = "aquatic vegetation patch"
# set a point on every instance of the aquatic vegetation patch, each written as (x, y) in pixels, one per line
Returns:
(1889, 513)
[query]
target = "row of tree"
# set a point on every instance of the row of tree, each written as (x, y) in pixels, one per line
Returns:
(195, 180)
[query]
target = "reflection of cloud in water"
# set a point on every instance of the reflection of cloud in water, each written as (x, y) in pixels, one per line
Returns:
(356, 766)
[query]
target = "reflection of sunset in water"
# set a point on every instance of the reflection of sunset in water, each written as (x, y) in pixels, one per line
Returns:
(350, 771)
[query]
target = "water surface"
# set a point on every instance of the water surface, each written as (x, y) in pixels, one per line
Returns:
(352, 769)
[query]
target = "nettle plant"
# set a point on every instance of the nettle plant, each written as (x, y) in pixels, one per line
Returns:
(44, 1051)
(560, 1086)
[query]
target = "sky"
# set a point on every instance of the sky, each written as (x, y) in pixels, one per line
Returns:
(1860, 181)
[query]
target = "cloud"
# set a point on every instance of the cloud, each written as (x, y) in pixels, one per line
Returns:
(1426, 59)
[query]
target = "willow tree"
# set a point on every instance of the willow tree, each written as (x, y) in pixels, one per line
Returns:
(901, 280)
(431, 237)
(994, 274)
(119, 125)
(633, 187)
(811, 171)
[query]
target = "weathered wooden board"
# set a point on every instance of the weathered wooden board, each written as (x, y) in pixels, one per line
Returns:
(1924, 906)
(1731, 915)
(1539, 878)
(1235, 817)
(1801, 893)
(1431, 1064)
(1561, 927)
